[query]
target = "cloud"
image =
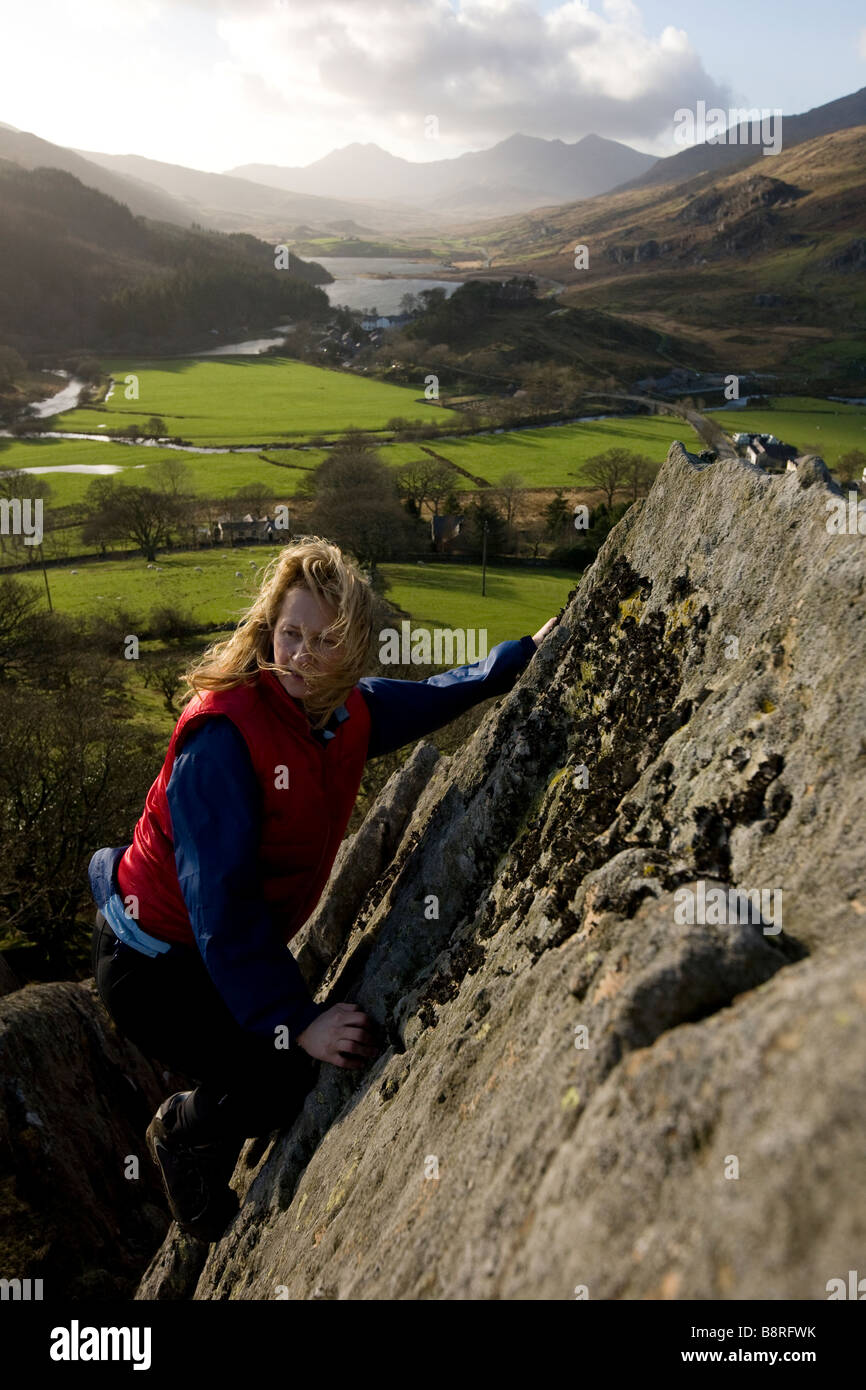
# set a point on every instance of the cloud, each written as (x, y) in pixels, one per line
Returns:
(485, 68)
(218, 83)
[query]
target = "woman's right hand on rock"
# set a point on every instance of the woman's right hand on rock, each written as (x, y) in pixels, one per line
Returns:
(343, 1035)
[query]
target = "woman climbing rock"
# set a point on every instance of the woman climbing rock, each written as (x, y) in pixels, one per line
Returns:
(232, 851)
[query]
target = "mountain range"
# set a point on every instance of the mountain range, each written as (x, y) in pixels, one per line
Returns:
(713, 158)
(516, 174)
(361, 189)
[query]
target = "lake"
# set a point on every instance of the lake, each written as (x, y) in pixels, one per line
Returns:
(367, 282)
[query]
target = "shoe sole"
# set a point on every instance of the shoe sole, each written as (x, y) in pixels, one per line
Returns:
(205, 1231)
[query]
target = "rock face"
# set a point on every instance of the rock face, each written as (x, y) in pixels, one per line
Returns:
(81, 1204)
(8, 979)
(360, 863)
(587, 1093)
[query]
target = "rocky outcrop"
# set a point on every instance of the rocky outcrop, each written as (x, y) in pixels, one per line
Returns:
(586, 1091)
(722, 205)
(9, 981)
(851, 257)
(81, 1204)
(361, 860)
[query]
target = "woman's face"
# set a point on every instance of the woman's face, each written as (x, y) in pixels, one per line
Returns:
(290, 648)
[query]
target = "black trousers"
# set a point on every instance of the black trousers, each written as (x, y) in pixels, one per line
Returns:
(168, 1006)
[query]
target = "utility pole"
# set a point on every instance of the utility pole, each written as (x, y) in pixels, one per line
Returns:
(45, 577)
(484, 559)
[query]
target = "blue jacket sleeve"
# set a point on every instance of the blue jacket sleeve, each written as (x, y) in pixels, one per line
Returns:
(215, 804)
(402, 711)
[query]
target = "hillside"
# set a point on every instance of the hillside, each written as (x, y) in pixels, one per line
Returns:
(719, 158)
(143, 198)
(761, 268)
(506, 328)
(78, 269)
(494, 1151)
(242, 204)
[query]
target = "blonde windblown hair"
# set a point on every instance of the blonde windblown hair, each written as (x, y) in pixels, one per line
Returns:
(314, 564)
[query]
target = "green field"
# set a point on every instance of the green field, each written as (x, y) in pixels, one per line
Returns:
(517, 601)
(214, 596)
(208, 475)
(813, 426)
(230, 400)
(553, 456)
(548, 457)
(249, 400)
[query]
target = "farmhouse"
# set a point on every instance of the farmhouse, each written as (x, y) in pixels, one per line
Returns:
(385, 321)
(443, 530)
(245, 528)
(772, 456)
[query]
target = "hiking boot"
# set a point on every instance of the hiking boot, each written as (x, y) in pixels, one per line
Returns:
(195, 1176)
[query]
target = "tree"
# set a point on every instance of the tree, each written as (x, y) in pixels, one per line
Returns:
(167, 677)
(12, 366)
(640, 473)
(72, 776)
(257, 497)
(484, 510)
(424, 480)
(87, 369)
(344, 319)
(556, 515)
(510, 484)
(851, 467)
(171, 476)
(138, 514)
(100, 525)
(17, 484)
(534, 534)
(18, 602)
(551, 388)
(608, 471)
(357, 503)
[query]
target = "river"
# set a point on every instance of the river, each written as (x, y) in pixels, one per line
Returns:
(64, 399)
(251, 348)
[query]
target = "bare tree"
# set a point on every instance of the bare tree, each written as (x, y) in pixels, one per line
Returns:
(425, 480)
(167, 677)
(17, 603)
(257, 497)
(357, 504)
(608, 471)
(534, 536)
(510, 484)
(171, 476)
(136, 513)
(640, 474)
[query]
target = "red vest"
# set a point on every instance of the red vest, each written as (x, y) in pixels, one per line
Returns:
(302, 823)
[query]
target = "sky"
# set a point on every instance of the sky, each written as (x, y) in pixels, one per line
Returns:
(214, 84)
